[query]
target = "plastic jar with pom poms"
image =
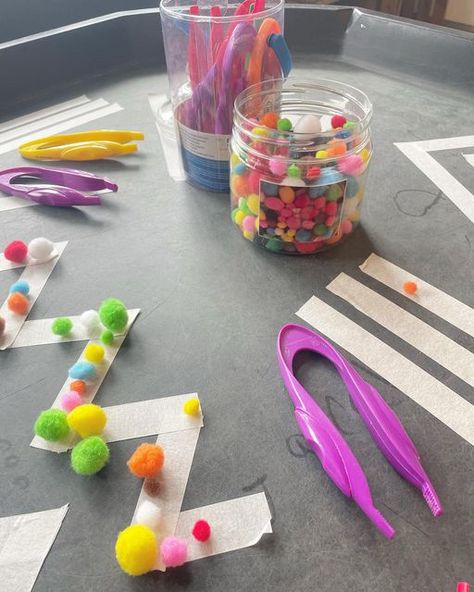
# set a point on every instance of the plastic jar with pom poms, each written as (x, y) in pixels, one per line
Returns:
(300, 152)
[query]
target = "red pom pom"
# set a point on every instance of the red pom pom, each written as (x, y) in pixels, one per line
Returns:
(202, 531)
(338, 121)
(16, 251)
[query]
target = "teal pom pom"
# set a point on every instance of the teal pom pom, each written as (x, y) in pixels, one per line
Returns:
(61, 326)
(89, 456)
(113, 315)
(52, 425)
(107, 337)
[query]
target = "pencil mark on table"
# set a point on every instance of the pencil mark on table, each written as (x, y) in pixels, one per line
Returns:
(425, 210)
(261, 481)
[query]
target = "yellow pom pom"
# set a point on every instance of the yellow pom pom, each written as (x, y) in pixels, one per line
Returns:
(248, 235)
(234, 159)
(322, 154)
(263, 132)
(364, 154)
(253, 203)
(94, 353)
(239, 217)
(87, 420)
(191, 407)
(136, 550)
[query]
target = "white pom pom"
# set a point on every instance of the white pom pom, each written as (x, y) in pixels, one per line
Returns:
(148, 514)
(307, 127)
(90, 320)
(293, 182)
(40, 248)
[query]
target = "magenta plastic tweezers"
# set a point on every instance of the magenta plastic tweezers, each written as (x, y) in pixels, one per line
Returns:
(327, 442)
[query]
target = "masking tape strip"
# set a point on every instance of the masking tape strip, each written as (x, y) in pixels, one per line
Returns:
(436, 398)
(92, 387)
(36, 276)
(469, 158)
(235, 524)
(138, 420)
(6, 265)
(35, 127)
(417, 333)
(167, 490)
(449, 185)
(42, 113)
(25, 541)
(61, 127)
(39, 332)
(13, 203)
(436, 301)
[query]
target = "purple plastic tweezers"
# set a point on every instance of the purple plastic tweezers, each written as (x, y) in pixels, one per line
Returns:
(65, 186)
(328, 444)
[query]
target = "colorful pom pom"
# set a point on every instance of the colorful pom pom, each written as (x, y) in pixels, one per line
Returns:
(269, 120)
(82, 371)
(173, 551)
(18, 303)
(89, 456)
(52, 425)
(148, 514)
(284, 125)
(71, 400)
(136, 549)
(146, 461)
(202, 531)
(113, 315)
(61, 326)
(94, 353)
(40, 248)
(20, 286)
(410, 288)
(79, 386)
(87, 420)
(338, 121)
(90, 320)
(16, 251)
(107, 337)
(2, 326)
(191, 407)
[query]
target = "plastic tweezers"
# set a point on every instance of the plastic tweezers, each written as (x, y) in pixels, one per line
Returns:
(328, 444)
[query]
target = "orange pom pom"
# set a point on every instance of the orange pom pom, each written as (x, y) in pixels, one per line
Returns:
(239, 186)
(269, 120)
(146, 461)
(79, 386)
(18, 303)
(336, 148)
(410, 288)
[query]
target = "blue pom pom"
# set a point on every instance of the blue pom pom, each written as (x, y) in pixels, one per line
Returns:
(82, 371)
(20, 286)
(352, 187)
(317, 191)
(330, 176)
(240, 169)
(270, 189)
(343, 134)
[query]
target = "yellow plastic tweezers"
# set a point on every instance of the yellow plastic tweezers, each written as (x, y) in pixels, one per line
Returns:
(91, 145)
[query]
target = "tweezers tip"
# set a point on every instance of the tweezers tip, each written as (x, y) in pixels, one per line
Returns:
(432, 499)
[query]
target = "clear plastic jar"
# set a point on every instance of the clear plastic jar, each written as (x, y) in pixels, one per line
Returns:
(213, 52)
(300, 153)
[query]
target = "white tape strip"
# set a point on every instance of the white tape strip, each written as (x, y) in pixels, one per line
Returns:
(35, 127)
(39, 332)
(431, 342)
(169, 487)
(61, 127)
(449, 185)
(13, 203)
(235, 524)
(436, 301)
(421, 387)
(138, 420)
(36, 276)
(455, 143)
(6, 265)
(42, 113)
(469, 158)
(110, 352)
(25, 541)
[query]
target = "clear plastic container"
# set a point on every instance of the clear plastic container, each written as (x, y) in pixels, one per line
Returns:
(212, 54)
(300, 153)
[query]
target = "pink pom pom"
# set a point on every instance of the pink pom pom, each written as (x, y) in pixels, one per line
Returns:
(278, 166)
(253, 182)
(346, 226)
(173, 551)
(351, 165)
(71, 400)
(248, 223)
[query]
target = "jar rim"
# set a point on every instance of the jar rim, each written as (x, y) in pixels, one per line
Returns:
(169, 8)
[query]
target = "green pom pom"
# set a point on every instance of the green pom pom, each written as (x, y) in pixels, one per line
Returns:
(89, 456)
(284, 125)
(52, 425)
(113, 315)
(294, 171)
(107, 337)
(61, 326)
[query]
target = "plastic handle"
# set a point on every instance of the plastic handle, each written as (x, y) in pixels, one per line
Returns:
(277, 42)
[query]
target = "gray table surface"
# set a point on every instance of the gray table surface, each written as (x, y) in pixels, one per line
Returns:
(212, 305)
